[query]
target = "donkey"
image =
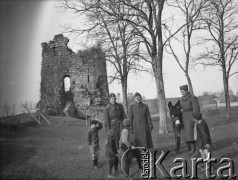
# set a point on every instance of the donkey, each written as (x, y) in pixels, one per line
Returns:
(176, 118)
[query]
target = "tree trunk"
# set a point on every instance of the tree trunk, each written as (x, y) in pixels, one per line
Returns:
(161, 95)
(190, 86)
(227, 97)
(124, 95)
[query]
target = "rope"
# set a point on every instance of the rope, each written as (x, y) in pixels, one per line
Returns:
(123, 157)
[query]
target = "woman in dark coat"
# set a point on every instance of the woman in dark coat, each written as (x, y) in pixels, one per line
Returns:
(114, 115)
(189, 104)
(142, 126)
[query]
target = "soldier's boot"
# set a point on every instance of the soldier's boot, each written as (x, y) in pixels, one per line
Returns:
(95, 164)
(188, 145)
(193, 148)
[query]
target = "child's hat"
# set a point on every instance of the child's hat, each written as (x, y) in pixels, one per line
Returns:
(111, 134)
(112, 95)
(126, 123)
(93, 122)
(197, 115)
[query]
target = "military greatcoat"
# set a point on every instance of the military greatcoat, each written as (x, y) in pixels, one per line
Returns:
(189, 104)
(139, 114)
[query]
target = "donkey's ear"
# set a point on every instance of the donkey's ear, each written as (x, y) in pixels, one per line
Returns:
(170, 105)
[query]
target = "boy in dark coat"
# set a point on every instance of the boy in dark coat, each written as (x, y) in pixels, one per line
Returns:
(111, 153)
(93, 141)
(125, 144)
(202, 135)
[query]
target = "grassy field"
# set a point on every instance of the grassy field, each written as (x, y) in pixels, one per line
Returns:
(59, 151)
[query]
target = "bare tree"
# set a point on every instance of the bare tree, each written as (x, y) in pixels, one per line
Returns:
(191, 11)
(123, 56)
(145, 16)
(116, 37)
(220, 20)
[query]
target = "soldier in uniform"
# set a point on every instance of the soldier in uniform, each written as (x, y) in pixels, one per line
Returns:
(189, 104)
(142, 126)
(114, 115)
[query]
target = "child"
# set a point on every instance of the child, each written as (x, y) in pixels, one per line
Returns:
(111, 153)
(126, 143)
(93, 141)
(202, 135)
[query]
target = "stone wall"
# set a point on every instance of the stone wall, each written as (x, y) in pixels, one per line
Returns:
(88, 79)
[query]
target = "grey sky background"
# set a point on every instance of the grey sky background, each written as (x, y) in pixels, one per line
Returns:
(26, 24)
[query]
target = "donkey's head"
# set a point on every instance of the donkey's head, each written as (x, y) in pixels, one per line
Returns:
(175, 111)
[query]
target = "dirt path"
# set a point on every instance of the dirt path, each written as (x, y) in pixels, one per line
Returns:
(59, 151)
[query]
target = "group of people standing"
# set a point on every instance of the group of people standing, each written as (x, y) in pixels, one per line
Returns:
(129, 132)
(138, 114)
(134, 131)
(123, 133)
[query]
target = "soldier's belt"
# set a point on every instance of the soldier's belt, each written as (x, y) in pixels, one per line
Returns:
(114, 120)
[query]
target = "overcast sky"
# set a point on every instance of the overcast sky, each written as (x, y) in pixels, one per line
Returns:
(26, 24)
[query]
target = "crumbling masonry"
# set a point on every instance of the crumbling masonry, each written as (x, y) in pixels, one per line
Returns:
(88, 80)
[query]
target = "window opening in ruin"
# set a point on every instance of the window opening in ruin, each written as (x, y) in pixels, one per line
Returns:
(67, 84)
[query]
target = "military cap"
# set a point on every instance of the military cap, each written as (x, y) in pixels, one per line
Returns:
(137, 94)
(184, 87)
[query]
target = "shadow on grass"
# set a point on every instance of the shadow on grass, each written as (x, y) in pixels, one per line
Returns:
(15, 155)
(224, 143)
(230, 155)
(11, 151)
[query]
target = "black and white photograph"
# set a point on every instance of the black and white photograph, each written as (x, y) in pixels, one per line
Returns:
(119, 89)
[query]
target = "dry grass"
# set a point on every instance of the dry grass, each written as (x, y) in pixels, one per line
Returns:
(59, 151)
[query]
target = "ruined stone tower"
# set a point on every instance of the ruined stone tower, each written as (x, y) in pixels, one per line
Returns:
(88, 79)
